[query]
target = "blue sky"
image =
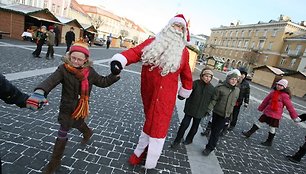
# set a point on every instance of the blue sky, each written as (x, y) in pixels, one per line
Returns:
(203, 15)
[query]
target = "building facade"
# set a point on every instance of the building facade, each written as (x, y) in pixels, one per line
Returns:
(252, 45)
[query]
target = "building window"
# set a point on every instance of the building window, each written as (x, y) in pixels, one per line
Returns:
(253, 44)
(250, 33)
(234, 43)
(265, 33)
(304, 55)
(239, 44)
(270, 46)
(261, 44)
(242, 33)
(299, 49)
(231, 33)
(293, 62)
(283, 61)
(274, 33)
(58, 9)
(46, 4)
(246, 44)
(287, 48)
(257, 33)
(53, 7)
(236, 33)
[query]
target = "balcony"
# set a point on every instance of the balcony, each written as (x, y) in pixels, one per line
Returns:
(294, 53)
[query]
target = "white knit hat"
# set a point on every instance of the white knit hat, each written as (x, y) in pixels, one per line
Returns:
(283, 82)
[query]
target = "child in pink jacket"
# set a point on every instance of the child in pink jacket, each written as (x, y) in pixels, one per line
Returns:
(272, 107)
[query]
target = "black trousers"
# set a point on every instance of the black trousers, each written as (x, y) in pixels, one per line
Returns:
(235, 114)
(50, 51)
(37, 51)
(56, 41)
(217, 125)
(68, 46)
(184, 125)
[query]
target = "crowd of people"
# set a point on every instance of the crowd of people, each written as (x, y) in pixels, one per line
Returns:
(165, 59)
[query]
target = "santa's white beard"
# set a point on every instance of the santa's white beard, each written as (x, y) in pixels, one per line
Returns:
(165, 51)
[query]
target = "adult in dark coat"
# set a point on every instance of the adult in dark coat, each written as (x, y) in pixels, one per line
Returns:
(57, 35)
(11, 95)
(70, 38)
(296, 158)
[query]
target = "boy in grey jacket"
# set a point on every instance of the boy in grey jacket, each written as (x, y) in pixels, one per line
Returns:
(221, 106)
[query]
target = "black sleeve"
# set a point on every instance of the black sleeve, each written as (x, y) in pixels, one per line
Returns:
(11, 94)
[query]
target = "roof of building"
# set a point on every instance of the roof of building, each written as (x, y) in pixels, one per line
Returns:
(272, 69)
(100, 11)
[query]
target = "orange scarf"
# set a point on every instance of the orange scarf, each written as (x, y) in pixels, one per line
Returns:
(274, 101)
(82, 110)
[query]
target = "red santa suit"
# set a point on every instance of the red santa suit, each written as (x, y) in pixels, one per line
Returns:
(159, 96)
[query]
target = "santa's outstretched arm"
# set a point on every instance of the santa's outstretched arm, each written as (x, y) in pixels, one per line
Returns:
(186, 78)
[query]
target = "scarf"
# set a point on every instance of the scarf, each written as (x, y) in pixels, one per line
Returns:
(82, 109)
(274, 101)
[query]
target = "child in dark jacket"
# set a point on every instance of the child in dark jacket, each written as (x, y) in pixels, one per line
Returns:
(77, 77)
(196, 107)
(302, 151)
(272, 108)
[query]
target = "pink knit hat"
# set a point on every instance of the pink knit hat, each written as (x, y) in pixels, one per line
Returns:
(283, 82)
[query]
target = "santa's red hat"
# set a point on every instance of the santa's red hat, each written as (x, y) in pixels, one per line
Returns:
(179, 18)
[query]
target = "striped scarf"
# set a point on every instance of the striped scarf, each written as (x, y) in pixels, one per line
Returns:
(82, 109)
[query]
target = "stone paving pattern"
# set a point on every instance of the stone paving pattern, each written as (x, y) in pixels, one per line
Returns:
(116, 116)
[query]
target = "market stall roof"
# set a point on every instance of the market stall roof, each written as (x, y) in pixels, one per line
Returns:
(69, 21)
(272, 69)
(43, 19)
(89, 28)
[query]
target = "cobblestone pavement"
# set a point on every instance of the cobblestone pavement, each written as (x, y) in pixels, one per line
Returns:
(116, 116)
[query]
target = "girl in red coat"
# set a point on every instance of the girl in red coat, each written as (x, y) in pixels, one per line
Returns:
(164, 59)
(272, 108)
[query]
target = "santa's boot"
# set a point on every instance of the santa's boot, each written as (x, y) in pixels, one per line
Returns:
(135, 160)
(251, 131)
(268, 142)
(207, 130)
(87, 133)
(57, 155)
(298, 155)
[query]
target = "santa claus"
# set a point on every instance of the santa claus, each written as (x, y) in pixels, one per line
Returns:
(164, 58)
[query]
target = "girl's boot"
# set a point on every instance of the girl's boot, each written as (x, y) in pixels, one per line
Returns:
(251, 131)
(268, 142)
(87, 133)
(57, 155)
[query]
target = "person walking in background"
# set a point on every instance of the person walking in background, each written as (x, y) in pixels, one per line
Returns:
(50, 42)
(296, 158)
(77, 77)
(41, 38)
(272, 107)
(57, 35)
(164, 59)
(108, 41)
(221, 106)
(70, 38)
(196, 107)
(243, 99)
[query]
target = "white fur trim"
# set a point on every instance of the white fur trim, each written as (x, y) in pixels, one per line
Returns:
(143, 142)
(154, 151)
(184, 92)
(177, 20)
(119, 57)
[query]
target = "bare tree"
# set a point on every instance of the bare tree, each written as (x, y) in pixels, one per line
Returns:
(124, 33)
(251, 57)
(97, 22)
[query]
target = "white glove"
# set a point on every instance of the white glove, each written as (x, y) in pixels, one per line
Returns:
(246, 105)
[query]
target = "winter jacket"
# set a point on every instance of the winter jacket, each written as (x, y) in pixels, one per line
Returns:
(196, 105)
(244, 93)
(159, 92)
(70, 37)
(224, 99)
(11, 94)
(50, 38)
(283, 100)
(71, 91)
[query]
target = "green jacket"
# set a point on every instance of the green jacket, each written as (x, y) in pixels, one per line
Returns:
(224, 99)
(196, 105)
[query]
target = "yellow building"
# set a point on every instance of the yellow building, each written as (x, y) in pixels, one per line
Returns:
(253, 44)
